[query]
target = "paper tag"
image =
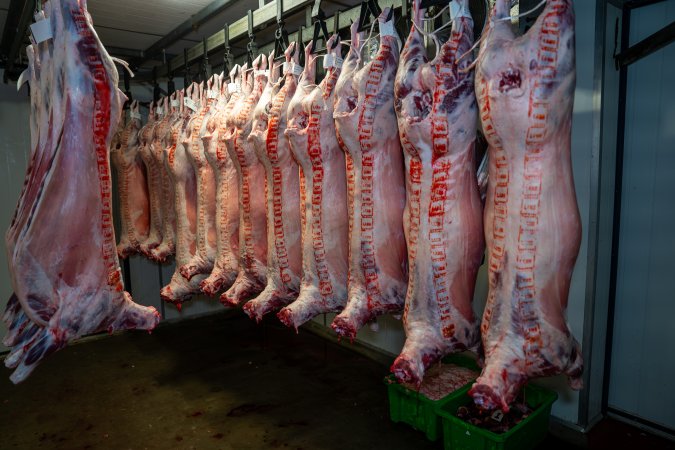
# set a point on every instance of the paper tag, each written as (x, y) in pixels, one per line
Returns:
(387, 29)
(286, 67)
(193, 105)
(259, 73)
(328, 61)
(41, 30)
(458, 11)
(233, 88)
(175, 103)
(212, 94)
(159, 110)
(135, 115)
(338, 62)
(297, 69)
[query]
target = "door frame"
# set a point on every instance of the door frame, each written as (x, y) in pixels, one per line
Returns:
(624, 56)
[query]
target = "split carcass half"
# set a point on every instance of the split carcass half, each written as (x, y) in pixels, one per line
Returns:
(323, 194)
(133, 187)
(525, 89)
(252, 219)
(146, 136)
(284, 256)
(61, 242)
(368, 133)
(185, 192)
(204, 256)
(161, 137)
(226, 265)
(437, 117)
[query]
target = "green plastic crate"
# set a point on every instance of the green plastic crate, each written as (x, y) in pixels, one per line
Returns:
(461, 435)
(415, 409)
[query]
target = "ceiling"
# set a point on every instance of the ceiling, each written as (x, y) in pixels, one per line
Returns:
(136, 25)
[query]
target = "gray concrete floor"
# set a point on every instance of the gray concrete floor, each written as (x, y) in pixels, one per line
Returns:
(217, 382)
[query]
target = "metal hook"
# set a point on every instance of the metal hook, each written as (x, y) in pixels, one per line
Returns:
(251, 46)
(187, 78)
(280, 35)
(206, 67)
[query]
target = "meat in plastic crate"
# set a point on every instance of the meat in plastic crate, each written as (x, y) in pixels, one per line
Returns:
(411, 406)
(531, 431)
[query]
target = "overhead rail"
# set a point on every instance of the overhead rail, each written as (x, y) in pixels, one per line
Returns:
(259, 19)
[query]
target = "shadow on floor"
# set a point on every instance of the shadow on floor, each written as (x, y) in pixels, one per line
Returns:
(217, 382)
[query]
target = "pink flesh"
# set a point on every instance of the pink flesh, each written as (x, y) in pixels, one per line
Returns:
(366, 125)
(525, 89)
(323, 191)
(203, 259)
(61, 245)
(185, 192)
(284, 257)
(154, 178)
(437, 118)
(133, 189)
(226, 264)
(162, 138)
(252, 220)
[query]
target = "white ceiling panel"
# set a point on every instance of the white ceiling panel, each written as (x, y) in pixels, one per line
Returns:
(153, 16)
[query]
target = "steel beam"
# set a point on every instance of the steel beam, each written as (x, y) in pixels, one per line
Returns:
(633, 4)
(647, 46)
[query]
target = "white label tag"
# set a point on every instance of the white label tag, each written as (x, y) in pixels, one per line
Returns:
(458, 11)
(159, 110)
(41, 30)
(232, 88)
(387, 29)
(286, 66)
(328, 61)
(175, 103)
(338, 62)
(135, 115)
(193, 105)
(259, 73)
(297, 69)
(212, 94)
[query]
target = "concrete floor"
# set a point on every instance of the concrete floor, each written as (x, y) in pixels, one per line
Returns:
(217, 382)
